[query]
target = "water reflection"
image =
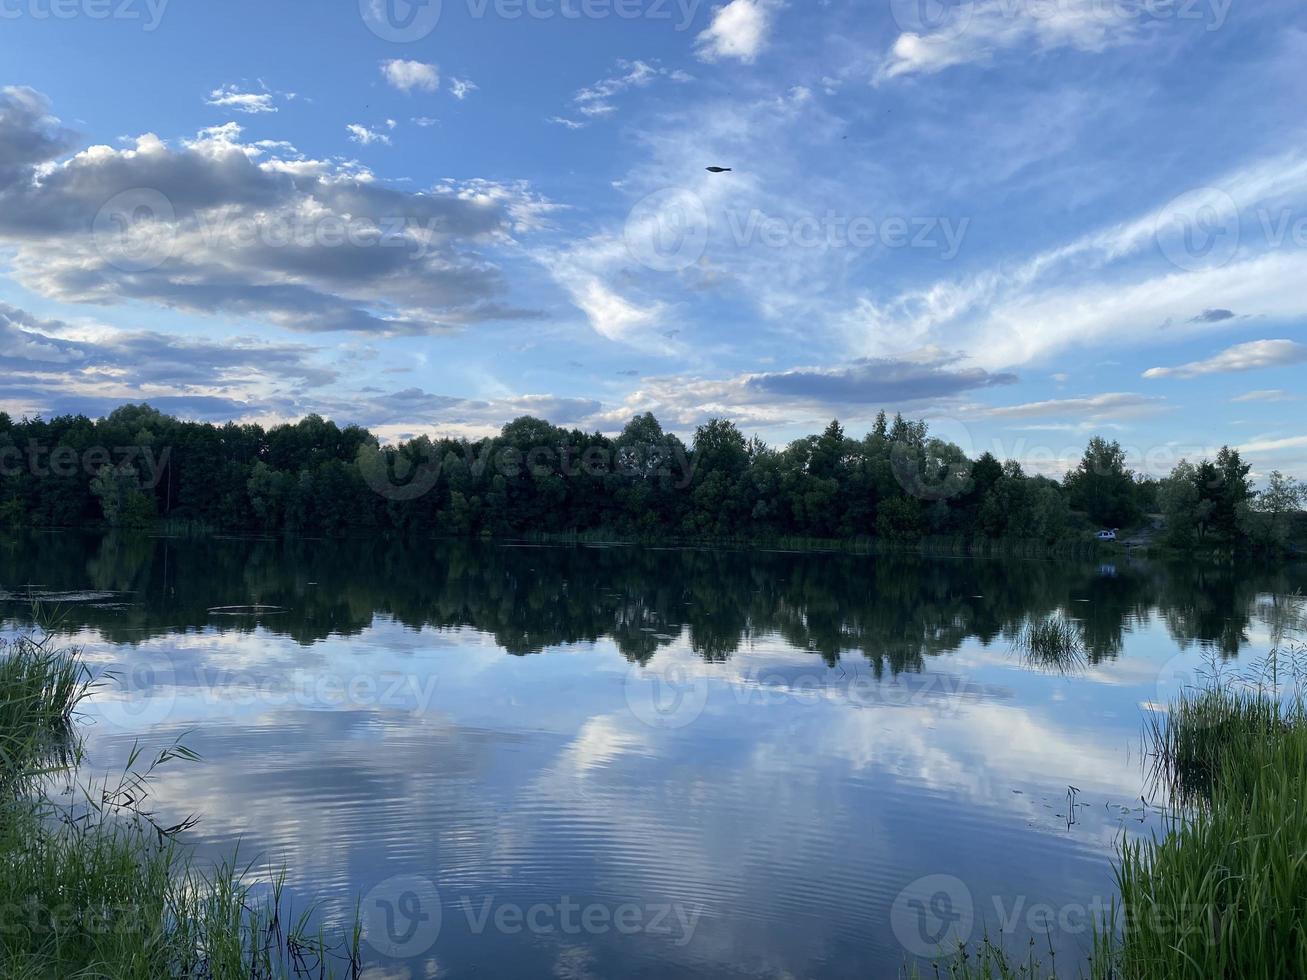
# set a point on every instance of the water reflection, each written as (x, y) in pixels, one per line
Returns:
(865, 724)
(897, 610)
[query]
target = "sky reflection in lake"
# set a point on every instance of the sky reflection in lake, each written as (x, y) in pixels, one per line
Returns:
(686, 763)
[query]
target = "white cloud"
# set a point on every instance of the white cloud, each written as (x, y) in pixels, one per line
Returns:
(612, 315)
(809, 396)
(424, 122)
(231, 97)
(219, 227)
(54, 367)
(788, 288)
(461, 88)
(739, 30)
(1275, 451)
(1241, 357)
(975, 31)
(589, 271)
(1106, 286)
(1104, 407)
(1266, 395)
(596, 100)
(280, 147)
(228, 132)
(1272, 445)
(409, 75)
(358, 133)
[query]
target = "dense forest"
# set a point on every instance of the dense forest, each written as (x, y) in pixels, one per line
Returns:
(895, 484)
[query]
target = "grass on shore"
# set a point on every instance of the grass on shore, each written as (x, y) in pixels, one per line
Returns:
(990, 960)
(91, 885)
(1197, 748)
(1222, 892)
(40, 689)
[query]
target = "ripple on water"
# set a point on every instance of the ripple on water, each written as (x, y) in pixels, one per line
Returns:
(254, 609)
(36, 593)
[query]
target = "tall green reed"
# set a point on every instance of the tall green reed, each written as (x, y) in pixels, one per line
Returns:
(93, 884)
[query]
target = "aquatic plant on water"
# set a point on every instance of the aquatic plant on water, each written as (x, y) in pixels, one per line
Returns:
(1052, 642)
(1222, 891)
(93, 885)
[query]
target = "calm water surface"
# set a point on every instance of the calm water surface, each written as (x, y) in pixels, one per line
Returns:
(604, 762)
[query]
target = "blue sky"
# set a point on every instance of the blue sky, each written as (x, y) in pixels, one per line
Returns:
(1028, 221)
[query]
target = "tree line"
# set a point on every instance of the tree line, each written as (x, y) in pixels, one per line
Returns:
(897, 483)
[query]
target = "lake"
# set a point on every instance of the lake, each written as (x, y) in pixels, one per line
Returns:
(646, 762)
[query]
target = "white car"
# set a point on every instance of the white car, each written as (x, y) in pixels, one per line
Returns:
(1106, 535)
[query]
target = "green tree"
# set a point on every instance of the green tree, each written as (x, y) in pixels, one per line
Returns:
(897, 482)
(721, 458)
(121, 498)
(1274, 509)
(1050, 517)
(829, 454)
(1230, 494)
(267, 495)
(900, 520)
(1184, 509)
(1102, 487)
